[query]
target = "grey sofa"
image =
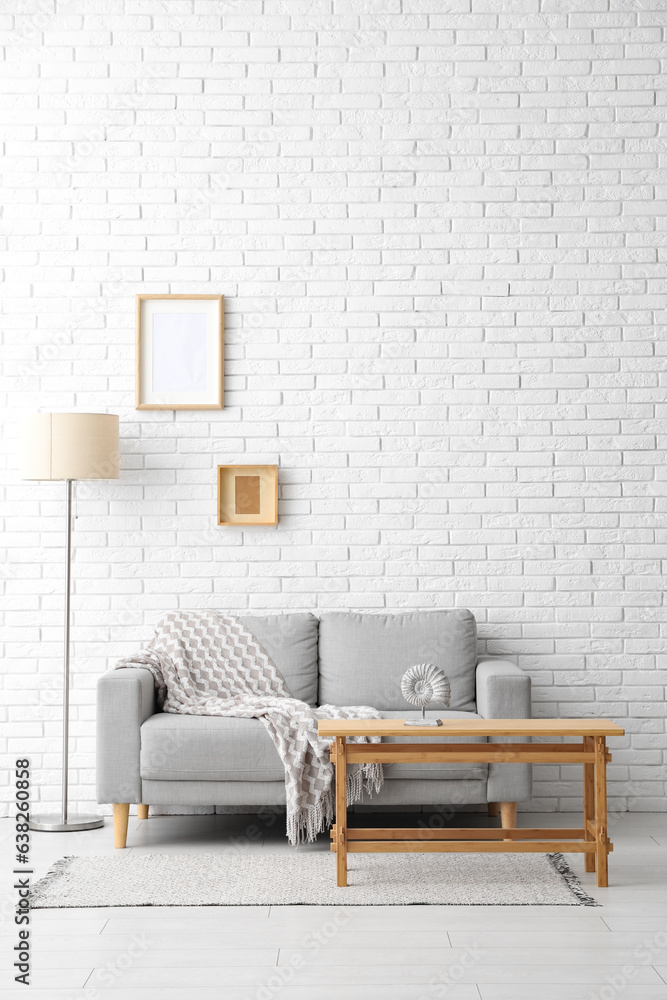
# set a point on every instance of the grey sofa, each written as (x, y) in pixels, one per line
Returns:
(341, 658)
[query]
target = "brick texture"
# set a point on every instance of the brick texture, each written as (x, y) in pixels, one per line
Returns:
(440, 228)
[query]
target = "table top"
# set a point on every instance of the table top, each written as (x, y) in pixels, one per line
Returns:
(471, 727)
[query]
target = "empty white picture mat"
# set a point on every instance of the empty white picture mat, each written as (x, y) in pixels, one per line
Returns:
(180, 352)
(180, 348)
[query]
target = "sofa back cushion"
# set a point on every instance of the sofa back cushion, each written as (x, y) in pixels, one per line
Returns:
(291, 642)
(363, 656)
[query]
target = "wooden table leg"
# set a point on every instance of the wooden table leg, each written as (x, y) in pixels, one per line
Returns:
(341, 811)
(601, 810)
(589, 804)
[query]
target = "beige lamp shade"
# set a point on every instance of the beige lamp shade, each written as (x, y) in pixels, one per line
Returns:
(70, 446)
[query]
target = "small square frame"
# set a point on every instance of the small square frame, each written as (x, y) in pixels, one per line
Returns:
(211, 399)
(268, 494)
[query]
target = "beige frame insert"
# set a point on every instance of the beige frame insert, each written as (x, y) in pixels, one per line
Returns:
(218, 403)
(227, 498)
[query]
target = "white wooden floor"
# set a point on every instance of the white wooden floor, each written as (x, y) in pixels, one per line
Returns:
(614, 952)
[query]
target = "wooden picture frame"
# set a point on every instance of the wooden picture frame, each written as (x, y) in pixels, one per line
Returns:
(179, 352)
(247, 495)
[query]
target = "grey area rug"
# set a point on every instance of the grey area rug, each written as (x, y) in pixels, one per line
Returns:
(309, 878)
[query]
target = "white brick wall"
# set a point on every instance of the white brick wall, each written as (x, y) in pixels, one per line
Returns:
(440, 229)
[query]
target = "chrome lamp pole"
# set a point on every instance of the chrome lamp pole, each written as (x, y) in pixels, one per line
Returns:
(64, 823)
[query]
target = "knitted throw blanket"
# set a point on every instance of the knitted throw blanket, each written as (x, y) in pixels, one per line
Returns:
(204, 663)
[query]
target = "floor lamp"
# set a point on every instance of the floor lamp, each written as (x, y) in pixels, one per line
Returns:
(69, 446)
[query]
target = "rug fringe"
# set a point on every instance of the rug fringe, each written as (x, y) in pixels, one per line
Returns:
(560, 865)
(56, 871)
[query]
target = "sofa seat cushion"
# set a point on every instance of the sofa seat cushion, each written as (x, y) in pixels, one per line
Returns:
(206, 748)
(434, 772)
(364, 655)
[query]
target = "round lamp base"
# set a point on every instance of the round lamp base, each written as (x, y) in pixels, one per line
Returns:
(54, 824)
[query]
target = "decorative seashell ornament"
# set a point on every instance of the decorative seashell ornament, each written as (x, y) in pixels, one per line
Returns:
(422, 684)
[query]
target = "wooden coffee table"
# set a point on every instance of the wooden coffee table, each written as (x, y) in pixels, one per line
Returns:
(591, 840)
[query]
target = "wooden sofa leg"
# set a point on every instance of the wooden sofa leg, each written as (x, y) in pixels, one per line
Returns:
(493, 808)
(508, 815)
(142, 812)
(121, 813)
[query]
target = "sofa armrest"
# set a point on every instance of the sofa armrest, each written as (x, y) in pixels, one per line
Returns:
(503, 692)
(125, 699)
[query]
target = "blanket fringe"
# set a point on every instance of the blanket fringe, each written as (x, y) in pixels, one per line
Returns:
(560, 865)
(304, 826)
